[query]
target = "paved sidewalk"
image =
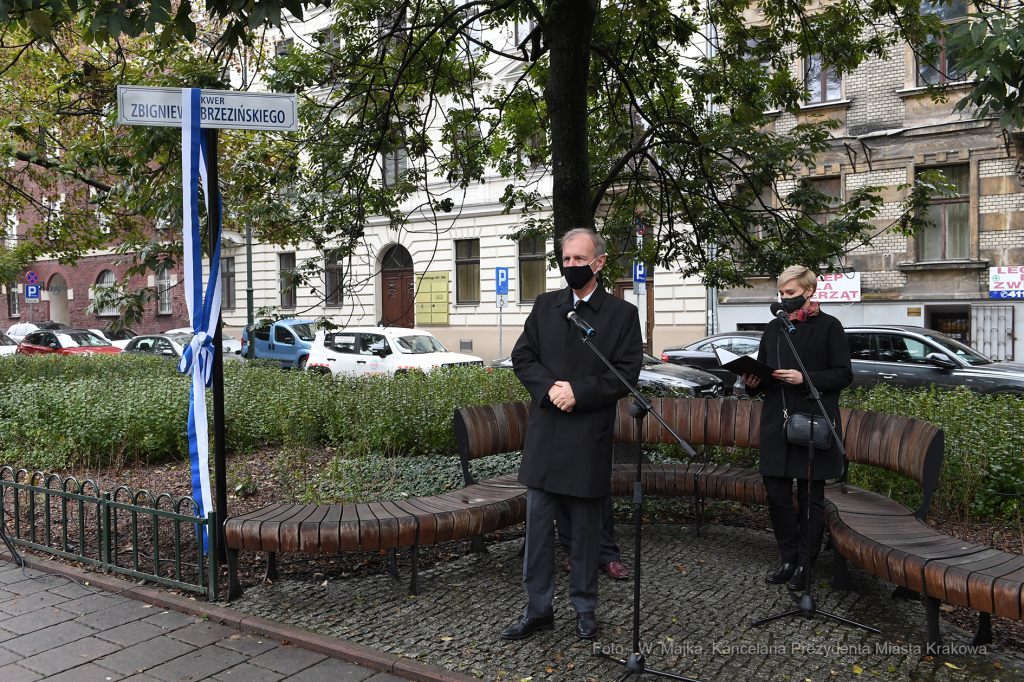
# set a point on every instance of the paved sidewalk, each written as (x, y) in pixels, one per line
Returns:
(53, 629)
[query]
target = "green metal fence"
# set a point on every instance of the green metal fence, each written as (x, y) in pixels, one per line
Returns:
(78, 521)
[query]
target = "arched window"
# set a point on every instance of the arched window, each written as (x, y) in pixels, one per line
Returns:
(106, 280)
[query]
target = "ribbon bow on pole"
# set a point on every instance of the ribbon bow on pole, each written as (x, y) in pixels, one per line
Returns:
(197, 358)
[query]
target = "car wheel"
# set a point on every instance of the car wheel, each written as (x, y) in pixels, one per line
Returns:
(302, 362)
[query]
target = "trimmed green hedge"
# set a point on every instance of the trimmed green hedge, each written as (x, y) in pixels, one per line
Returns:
(983, 469)
(57, 412)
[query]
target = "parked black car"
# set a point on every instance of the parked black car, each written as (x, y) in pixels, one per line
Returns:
(701, 354)
(658, 377)
(910, 357)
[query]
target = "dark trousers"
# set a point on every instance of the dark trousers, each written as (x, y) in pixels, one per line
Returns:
(539, 558)
(609, 550)
(789, 525)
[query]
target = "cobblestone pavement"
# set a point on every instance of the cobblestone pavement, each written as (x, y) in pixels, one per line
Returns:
(699, 596)
(53, 629)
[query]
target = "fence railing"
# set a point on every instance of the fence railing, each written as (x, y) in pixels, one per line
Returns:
(112, 531)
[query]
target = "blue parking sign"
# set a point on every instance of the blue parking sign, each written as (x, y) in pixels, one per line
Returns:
(501, 281)
(32, 293)
(639, 273)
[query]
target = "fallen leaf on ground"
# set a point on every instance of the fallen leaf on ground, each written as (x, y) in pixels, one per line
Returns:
(857, 670)
(954, 667)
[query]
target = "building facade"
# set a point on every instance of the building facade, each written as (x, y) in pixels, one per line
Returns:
(891, 130)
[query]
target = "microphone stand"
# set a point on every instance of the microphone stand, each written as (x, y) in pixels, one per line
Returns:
(636, 664)
(807, 605)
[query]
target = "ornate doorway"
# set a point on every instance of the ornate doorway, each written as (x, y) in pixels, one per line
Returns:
(398, 288)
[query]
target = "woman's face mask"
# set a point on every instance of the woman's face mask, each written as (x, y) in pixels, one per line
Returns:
(791, 305)
(577, 276)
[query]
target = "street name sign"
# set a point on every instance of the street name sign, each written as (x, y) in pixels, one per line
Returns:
(139, 105)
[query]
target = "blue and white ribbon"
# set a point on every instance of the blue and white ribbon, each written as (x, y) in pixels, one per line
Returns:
(197, 358)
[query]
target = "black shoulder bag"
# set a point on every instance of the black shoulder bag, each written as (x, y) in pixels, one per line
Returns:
(798, 425)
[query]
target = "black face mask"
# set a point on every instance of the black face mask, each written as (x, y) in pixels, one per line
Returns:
(791, 305)
(577, 276)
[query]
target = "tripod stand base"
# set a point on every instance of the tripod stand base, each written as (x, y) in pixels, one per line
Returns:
(809, 609)
(636, 665)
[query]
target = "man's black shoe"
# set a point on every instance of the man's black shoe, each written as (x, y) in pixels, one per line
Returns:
(527, 626)
(780, 576)
(798, 582)
(586, 625)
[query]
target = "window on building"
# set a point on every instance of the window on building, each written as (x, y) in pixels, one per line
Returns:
(395, 161)
(759, 208)
(54, 210)
(942, 67)
(522, 31)
(13, 300)
(163, 291)
(823, 84)
(532, 269)
(333, 279)
(467, 270)
(832, 188)
(227, 283)
(107, 280)
(286, 280)
(948, 237)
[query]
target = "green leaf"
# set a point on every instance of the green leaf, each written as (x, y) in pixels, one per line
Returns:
(40, 23)
(978, 31)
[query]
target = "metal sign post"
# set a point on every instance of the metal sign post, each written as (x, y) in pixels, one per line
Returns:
(152, 106)
(31, 293)
(501, 294)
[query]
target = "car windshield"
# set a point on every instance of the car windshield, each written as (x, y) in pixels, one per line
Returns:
(181, 339)
(419, 344)
(968, 355)
(304, 331)
(80, 340)
(122, 334)
(6, 340)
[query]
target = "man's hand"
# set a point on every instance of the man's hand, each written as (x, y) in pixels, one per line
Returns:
(561, 396)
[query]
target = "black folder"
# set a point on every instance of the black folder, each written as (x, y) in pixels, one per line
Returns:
(744, 365)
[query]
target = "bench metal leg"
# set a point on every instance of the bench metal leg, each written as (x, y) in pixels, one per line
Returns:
(905, 593)
(234, 588)
(840, 572)
(271, 566)
(414, 586)
(477, 545)
(984, 633)
(931, 612)
(393, 561)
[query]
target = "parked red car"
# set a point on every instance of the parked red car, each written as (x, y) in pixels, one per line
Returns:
(64, 342)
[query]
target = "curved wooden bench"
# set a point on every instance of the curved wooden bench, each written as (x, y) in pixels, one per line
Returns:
(877, 534)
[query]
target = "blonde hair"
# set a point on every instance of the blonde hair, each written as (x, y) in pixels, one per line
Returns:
(804, 276)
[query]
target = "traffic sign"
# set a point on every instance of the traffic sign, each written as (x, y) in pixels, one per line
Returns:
(32, 293)
(502, 300)
(139, 105)
(501, 281)
(31, 277)
(639, 273)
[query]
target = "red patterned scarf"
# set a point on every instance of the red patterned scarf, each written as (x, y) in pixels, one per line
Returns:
(802, 314)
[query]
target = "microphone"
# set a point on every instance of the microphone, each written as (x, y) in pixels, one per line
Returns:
(781, 315)
(567, 310)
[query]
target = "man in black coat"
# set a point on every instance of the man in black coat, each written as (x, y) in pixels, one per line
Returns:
(567, 456)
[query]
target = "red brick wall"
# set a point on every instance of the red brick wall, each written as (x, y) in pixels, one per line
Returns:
(84, 275)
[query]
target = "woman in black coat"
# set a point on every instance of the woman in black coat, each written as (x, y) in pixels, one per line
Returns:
(821, 343)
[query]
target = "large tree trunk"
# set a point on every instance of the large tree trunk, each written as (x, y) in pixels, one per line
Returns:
(570, 24)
